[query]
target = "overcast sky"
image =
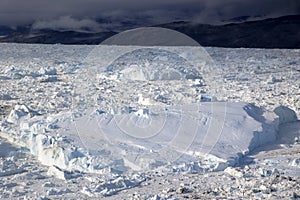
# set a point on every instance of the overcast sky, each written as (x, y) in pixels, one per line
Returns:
(76, 13)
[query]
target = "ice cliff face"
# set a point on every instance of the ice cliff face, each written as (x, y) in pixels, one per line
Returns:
(39, 135)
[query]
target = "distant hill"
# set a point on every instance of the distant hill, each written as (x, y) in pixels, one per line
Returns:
(282, 32)
(53, 37)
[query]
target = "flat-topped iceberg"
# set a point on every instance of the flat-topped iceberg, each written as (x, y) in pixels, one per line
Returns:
(196, 137)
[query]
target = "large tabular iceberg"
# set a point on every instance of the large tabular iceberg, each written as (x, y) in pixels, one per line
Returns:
(195, 137)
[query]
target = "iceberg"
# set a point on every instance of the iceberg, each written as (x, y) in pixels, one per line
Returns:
(210, 136)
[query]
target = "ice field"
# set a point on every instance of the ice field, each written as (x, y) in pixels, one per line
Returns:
(115, 122)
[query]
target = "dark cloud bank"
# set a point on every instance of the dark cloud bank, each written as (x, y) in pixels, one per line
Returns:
(86, 14)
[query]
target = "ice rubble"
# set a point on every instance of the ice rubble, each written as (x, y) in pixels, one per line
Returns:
(197, 137)
(263, 78)
(44, 129)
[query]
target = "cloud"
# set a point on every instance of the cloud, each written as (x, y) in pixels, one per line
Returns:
(16, 12)
(69, 23)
